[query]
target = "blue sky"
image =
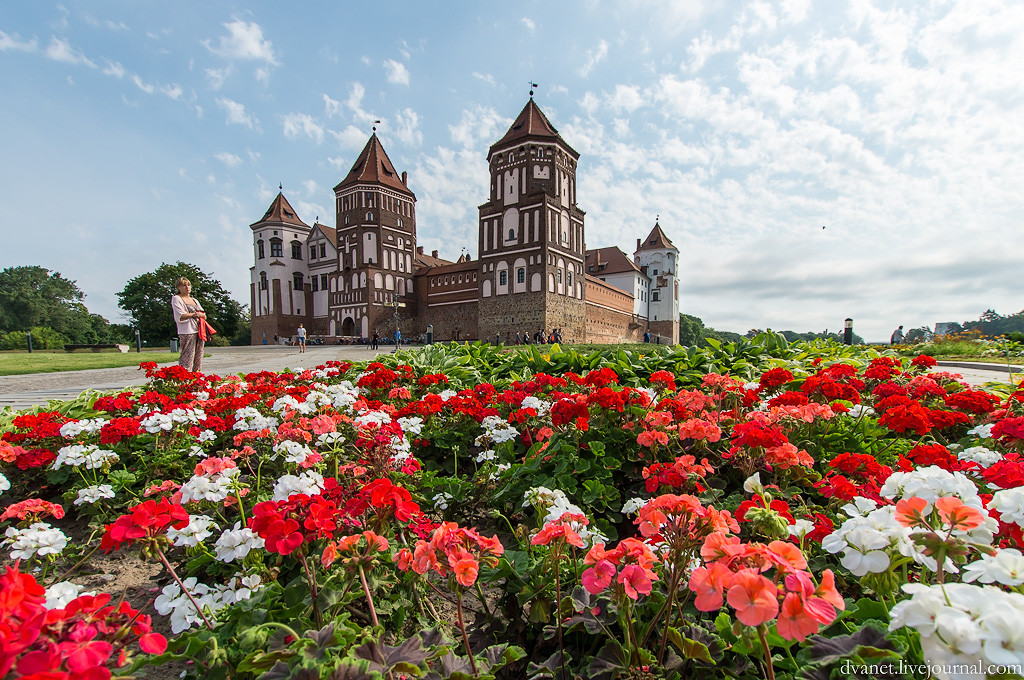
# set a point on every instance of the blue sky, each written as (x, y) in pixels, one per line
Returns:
(137, 133)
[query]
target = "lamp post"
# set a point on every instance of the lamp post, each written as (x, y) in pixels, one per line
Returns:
(138, 342)
(28, 335)
(848, 332)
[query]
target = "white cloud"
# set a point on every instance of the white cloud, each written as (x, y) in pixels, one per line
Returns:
(350, 138)
(60, 50)
(13, 42)
(244, 41)
(332, 107)
(173, 91)
(216, 76)
(228, 159)
(478, 128)
(530, 26)
(295, 124)
(145, 87)
(236, 113)
(626, 98)
(594, 57)
(396, 72)
(311, 187)
(311, 211)
(407, 130)
(486, 77)
(262, 75)
(114, 68)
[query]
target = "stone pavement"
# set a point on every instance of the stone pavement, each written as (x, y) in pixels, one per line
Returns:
(23, 391)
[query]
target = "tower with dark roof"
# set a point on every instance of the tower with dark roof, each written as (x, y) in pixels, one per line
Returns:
(376, 245)
(531, 263)
(659, 259)
(279, 293)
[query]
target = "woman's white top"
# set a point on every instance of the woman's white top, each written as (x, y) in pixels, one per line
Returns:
(178, 307)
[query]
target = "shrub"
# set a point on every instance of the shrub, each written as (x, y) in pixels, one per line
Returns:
(43, 337)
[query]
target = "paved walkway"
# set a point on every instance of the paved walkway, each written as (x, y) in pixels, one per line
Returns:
(23, 391)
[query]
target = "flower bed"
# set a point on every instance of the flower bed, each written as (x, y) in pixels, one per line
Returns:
(476, 514)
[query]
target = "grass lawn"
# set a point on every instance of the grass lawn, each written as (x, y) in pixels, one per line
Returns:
(19, 363)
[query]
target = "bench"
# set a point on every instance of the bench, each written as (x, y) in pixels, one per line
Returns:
(96, 348)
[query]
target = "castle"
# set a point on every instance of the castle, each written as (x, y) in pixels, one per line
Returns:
(533, 272)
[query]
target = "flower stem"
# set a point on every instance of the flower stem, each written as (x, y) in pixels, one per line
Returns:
(767, 651)
(174, 575)
(369, 597)
(558, 619)
(465, 638)
(313, 592)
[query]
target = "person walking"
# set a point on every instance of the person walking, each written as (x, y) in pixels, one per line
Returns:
(301, 332)
(897, 336)
(188, 314)
(398, 339)
(375, 340)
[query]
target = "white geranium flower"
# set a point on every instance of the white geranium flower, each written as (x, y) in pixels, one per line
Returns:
(92, 494)
(38, 539)
(198, 529)
(753, 485)
(633, 505)
(5, 484)
(293, 452)
(1006, 567)
(1009, 503)
(59, 595)
(800, 528)
(309, 482)
(74, 428)
(980, 455)
(236, 543)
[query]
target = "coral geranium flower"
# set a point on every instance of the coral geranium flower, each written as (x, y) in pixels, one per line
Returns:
(956, 514)
(754, 598)
(709, 583)
(910, 512)
(636, 580)
(466, 570)
(598, 577)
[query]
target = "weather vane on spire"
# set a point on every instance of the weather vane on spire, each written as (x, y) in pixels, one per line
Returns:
(533, 86)
(375, 124)
(280, 187)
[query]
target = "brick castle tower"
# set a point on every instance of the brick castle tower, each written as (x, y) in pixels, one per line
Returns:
(531, 263)
(376, 242)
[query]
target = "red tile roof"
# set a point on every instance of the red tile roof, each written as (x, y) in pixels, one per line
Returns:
(330, 232)
(530, 124)
(281, 211)
(374, 166)
(657, 240)
(609, 261)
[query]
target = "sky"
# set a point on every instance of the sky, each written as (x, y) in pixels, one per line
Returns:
(136, 133)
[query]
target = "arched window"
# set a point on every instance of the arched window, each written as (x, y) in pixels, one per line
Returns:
(369, 217)
(259, 249)
(276, 247)
(263, 280)
(511, 234)
(503, 277)
(521, 275)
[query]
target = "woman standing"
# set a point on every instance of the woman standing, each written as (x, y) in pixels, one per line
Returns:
(187, 315)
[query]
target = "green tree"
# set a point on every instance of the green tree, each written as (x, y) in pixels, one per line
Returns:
(147, 301)
(43, 337)
(691, 331)
(33, 296)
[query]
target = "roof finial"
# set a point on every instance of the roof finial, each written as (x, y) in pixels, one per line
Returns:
(375, 124)
(533, 86)
(657, 218)
(280, 187)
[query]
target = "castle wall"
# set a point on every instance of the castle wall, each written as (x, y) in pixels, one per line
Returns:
(609, 315)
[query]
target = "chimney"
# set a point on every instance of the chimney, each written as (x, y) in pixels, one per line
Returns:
(405, 177)
(638, 244)
(419, 250)
(433, 253)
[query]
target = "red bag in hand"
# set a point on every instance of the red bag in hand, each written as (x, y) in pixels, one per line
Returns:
(206, 331)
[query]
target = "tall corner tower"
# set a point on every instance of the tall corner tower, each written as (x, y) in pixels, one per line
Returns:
(659, 259)
(531, 240)
(279, 298)
(376, 231)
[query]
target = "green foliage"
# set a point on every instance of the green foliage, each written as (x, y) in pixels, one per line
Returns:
(33, 297)
(147, 301)
(42, 338)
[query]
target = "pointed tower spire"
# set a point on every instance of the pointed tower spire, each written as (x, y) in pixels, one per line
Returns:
(373, 165)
